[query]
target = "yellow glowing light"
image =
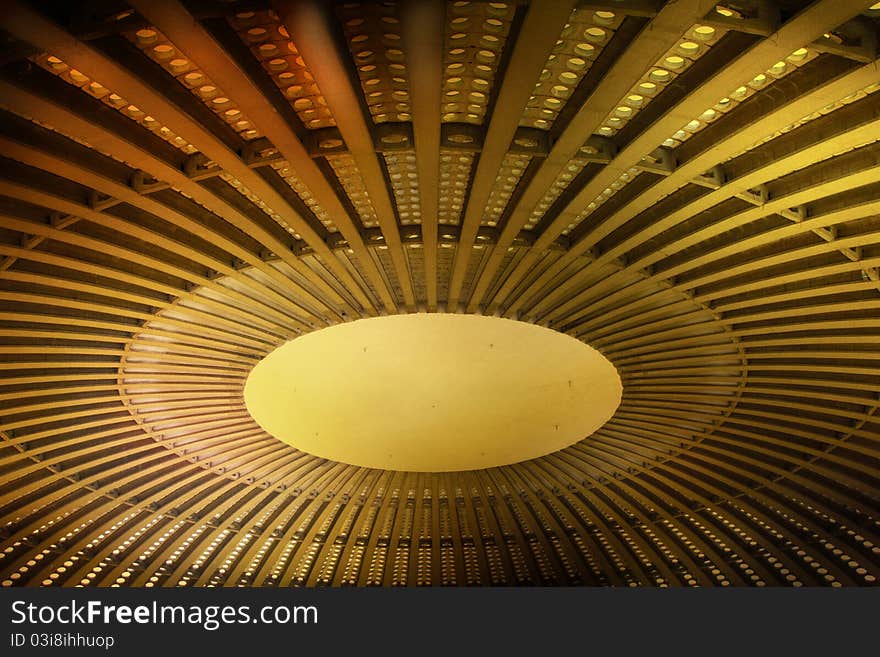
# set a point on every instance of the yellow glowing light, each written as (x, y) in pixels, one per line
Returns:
(432, 392)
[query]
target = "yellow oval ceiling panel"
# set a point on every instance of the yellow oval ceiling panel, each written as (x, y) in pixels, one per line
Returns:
(432, 392)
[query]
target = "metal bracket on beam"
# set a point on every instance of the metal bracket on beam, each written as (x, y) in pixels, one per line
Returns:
(448, 234)
(393, 136)
(259, 152)
(141, 182)
(757, 196)
(487, 235)
(828, 234)
(662, 160)
(98, 201)
(524, 238)
(760, 17)
(461, 137)
(598, 149)
(336, 241)
(530, 141)
(561, 243)
(373, 236)
(300, 248)
(796, 214)
(714, 178)
(411, 233)
(325, 141)
(856, 39)
(198, 166)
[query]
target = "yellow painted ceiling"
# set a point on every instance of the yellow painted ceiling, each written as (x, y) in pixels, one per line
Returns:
(690, 187)
(432, 392)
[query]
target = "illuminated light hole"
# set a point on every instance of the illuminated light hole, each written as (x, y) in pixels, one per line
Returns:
(594, 34)
(660, 75)
(585, 49)
(704, 32)
(635, 100)
(778, 68)
(689, 47)
(432, 392)
(798, 55)
(576, 64)
(603, 17)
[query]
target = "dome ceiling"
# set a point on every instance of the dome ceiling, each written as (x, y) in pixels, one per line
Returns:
(690, 188)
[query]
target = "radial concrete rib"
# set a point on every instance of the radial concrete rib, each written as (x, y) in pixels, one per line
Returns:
(572, 307)
(28, 25)
(309, 25)
(191, 38)
(424, 50)
(68, 208)
(804, 106)
(657, 37)
(52, 113)
(797, 32)
(56, 165)
(542, 25)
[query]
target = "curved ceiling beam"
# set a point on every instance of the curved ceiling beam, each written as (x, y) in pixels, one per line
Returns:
(29, 26)
(804, 28)
(89, 128)
(59, 166)
(192, 39)
(310, 26)
(425, 61)
(812, 101)
(542, 25)
(656, 38)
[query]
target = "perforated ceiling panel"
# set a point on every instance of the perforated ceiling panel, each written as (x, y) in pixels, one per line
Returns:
(690, 188)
